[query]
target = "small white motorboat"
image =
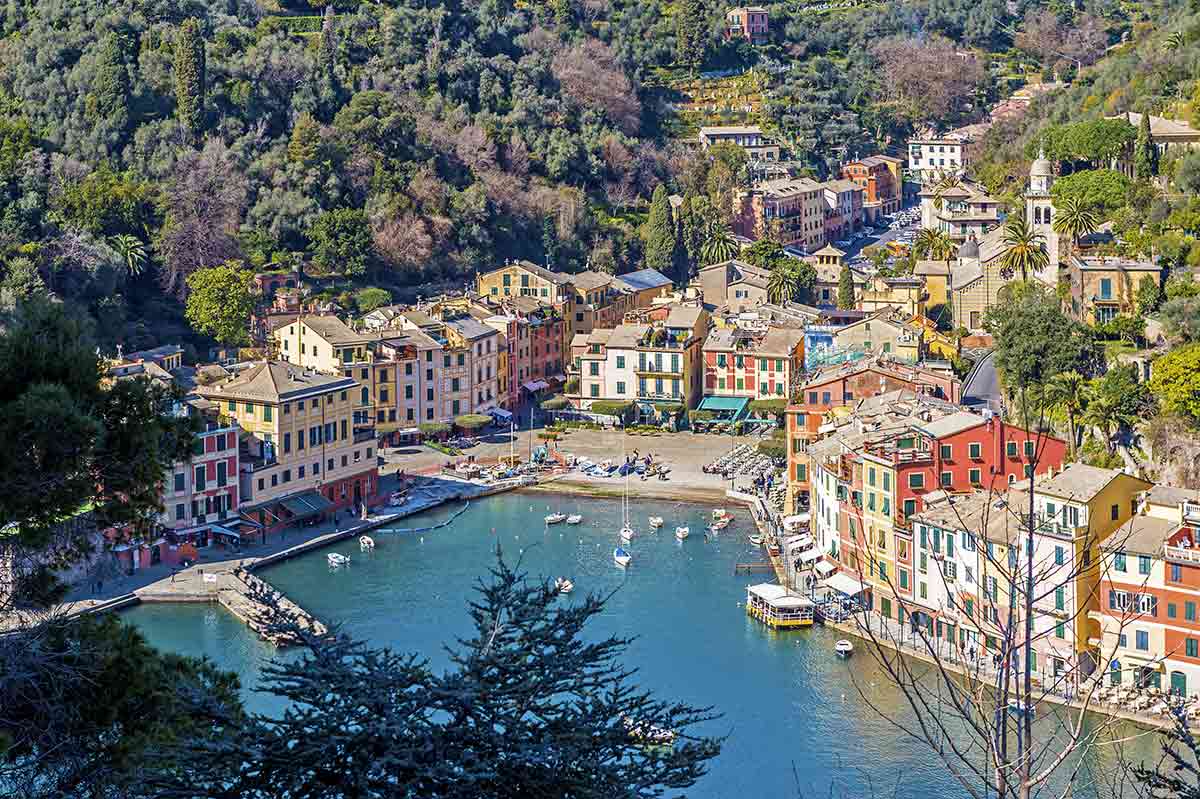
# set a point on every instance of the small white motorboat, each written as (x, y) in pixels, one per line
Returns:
(656, 522)
(627, 533)
(366, 543)
(843, 648)
(336, 559)
(720, 524)
(681, 533)
(575, 518)
(564, 585)
(555, 518)
(622, 556)
(756, 540)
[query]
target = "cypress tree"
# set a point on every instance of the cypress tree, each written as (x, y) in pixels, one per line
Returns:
(691, 228)
(659, 233)
(689, 33)
(326, 85)
(1145, 157)
(110, 86)
(190, 78)
(845, 295)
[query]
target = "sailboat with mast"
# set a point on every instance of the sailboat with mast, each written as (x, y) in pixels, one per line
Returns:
(620, 554)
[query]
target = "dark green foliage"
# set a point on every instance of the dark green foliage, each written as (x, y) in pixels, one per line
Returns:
(1096, 141)
(845, 295)
(370, 298)
(1035, 340)
(1174, 775)
(690, 33)
(1145, 153)
(660, 237)
(106, 203)
(190, 78)
(70, 442)
(89, 707)
(530, 706)
(110, 90)
(341, 241)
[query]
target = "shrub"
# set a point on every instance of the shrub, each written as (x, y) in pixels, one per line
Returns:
(431, 429)
(472, 421)
(612, 408)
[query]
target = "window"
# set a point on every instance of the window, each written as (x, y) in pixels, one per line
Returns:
(974, 477)
(1060, 630)
(180, 480)
(903, 579)
(923, 563)
(916, 480)
(620, 361)
(945, 450)
(947, 479)
(975, 451)
(1176, 573)
(1171, 610)
(871, 475)
(222, 474)
(1060, 598)
(1143, 564)
(910, 507)
(1010, 449)
(1118, 561)
(621, 387)
(268, 413)
(1190, 647)
(595, 390)
(593, 368)
(1189, 611)
(1106, 288)
(1142, 640)
(198, 483)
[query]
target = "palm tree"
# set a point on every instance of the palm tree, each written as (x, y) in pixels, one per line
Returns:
(132, 252)
(947, 182)
(1024, 250)
(1069, 390)
(924, 241)
(719, 244)
(941, 248)
(782, 284)
(1074, 219)
(1173, 42)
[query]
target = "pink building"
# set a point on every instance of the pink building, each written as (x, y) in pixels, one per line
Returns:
(748, 22)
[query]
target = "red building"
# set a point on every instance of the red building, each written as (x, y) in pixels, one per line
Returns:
(200, 501)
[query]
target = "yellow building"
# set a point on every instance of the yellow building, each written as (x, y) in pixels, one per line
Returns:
(324, 343)
(903, 293)
(300, 453)
(878, 528)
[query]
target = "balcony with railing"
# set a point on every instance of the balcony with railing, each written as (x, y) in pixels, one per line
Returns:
(1182, 554)
(1191, 512)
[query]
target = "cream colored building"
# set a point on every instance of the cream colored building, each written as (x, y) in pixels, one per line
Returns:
(300, 454)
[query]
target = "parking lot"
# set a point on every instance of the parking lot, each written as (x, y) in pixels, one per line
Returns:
(901, 227)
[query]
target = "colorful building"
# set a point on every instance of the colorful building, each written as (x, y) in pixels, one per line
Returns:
(299, 453)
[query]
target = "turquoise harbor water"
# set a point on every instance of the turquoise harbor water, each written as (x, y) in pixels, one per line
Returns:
(795, 721)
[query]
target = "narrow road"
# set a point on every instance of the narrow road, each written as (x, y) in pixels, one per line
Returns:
(982, 388)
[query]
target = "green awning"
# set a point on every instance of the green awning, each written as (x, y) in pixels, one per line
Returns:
(309, 503)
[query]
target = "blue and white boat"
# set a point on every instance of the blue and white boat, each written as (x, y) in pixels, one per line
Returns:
(621, 556)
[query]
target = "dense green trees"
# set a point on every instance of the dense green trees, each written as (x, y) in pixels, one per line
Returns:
(220, 301)
(1103, 190)
(190, 78)
(659, 235)
(1035, 340)
(1176, 381)
(341, 241)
